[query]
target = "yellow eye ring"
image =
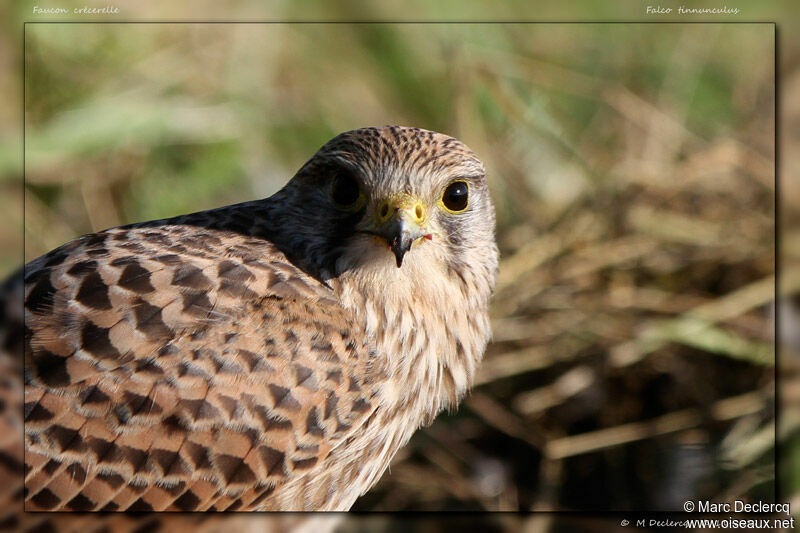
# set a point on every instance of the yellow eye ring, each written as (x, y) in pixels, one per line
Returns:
(455, 197)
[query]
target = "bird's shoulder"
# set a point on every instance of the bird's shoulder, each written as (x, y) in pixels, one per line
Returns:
(172, 356)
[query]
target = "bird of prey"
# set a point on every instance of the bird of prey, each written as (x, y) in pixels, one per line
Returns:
(268, 355)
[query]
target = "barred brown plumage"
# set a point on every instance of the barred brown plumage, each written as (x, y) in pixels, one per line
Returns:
(270, 355)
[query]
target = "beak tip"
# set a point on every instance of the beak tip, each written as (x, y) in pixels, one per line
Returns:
(399, 247)
(398, 255)
(399, 234)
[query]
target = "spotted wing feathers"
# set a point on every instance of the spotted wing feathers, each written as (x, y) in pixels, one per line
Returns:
(169, 369)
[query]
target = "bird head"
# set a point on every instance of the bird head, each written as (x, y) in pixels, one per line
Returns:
(397, 202)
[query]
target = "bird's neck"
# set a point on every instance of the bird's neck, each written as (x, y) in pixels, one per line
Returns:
(430, 330)
(429, 333)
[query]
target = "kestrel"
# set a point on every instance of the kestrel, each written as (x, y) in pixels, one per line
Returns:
(268, 355)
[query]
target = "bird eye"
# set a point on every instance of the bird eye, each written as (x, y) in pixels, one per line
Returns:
(344, 190)
(456, 196)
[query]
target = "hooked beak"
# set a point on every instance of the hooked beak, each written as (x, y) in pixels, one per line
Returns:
(400, 222)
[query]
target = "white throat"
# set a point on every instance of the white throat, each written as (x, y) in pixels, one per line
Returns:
(428, 343)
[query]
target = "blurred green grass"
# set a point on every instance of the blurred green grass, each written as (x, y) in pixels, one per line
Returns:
(631, 166)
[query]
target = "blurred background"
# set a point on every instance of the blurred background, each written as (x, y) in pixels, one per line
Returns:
(632, 167)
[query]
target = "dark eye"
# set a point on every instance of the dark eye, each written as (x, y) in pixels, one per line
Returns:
(344, 190)
(456, 196)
